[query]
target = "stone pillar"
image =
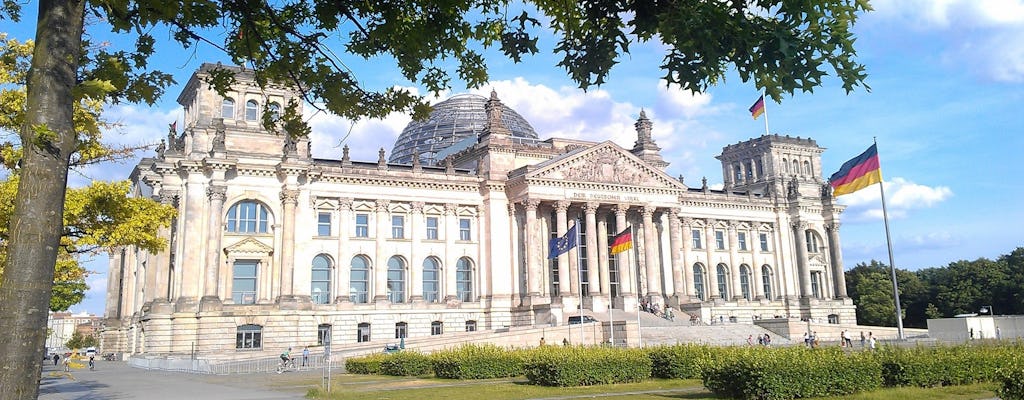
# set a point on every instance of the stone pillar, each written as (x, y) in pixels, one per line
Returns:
(712, 267)
(343, 271)
(289, 199)
(803, 269)
(594, 286)
(651, 254)
(534, 249)
(688, 258)
(516, 275)
(565, 288)
(162, 279)
(624, 259)
(450, 233)
(756, 263)
(675, 238)
(115, 269)
(217, 193)
(602, 258)
(380, 262)
(734, 267)
(192, 211)
(416, 224)
(836, 254)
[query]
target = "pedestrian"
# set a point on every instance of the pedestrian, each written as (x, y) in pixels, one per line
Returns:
(842, 342)
(67, 364)
(750, 340)
(565, 341)
(305, 355)
(542, 341)
(862, 339)
(767, 340)
(760, 340)
(848, 339)
(807, 339)
(871, 341)
(56, 358)
(92, 363)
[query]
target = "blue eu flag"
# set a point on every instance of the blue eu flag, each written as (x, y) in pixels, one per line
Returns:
(561, 245)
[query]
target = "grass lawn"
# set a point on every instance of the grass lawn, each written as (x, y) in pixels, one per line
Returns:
(357, 387)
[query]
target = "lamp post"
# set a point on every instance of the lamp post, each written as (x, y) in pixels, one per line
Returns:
(987, 310)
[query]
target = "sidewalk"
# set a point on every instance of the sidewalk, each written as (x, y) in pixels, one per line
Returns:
(116, 380)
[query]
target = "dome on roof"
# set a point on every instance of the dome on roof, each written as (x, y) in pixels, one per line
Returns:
(456, 121)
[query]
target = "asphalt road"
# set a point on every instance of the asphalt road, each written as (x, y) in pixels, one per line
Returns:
(116, 380)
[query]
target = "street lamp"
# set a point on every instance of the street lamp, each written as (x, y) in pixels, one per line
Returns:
(987, 310)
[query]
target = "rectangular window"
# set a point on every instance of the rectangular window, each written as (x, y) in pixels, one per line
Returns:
(470, 326)
(697, 243)
(323, 224)
(720, 240)
(323, 334)
(362, 225)
(741, 240)
(436, 328)
(464, 231)
(401, 330)
(432, 228)
(764, 241)
(397, 227)
(243, 282)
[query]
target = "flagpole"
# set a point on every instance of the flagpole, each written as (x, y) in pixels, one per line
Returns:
(636, 280)
(764, 100)
(579, 277)
(892, 263)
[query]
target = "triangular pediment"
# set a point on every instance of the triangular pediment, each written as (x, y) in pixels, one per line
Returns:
(604, 163)
(249, 247)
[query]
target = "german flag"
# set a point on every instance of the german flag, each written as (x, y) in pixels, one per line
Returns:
(623, 241)
(860, 172)
(758, 108)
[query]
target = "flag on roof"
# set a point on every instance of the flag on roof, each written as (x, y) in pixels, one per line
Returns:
(860, 172)
(758, 108)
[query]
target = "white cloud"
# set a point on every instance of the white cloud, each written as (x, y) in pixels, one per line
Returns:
(930, 14)
(902, 196)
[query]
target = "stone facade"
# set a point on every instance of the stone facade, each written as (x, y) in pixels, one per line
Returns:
(273, 248)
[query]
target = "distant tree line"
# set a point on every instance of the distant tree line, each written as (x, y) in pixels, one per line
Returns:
(962, 287)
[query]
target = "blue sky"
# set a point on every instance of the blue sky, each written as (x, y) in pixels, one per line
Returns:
(947, 79)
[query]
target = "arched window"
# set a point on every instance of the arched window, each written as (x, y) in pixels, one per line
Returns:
(227, 108)
(745, 282)
(464, 279)
(323, 334)
(431, 279)
(785, 165)
(251, 109)
(807, 167)
(723, 281)
(359, 280)
(698, 282)
(363, 332)
(436, 328)
(320, 288)
(737, 172)
(813, 241)
(248, 216)
(796, 167)
(766, 279)
(249, 336)
(275, 111)
(396, 280)
(401, 330)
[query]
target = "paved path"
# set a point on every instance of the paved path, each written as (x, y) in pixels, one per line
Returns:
(116, 380)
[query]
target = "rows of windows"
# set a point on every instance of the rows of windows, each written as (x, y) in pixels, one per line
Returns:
(227, 109)
(722, 275)
(250, 336)
(697, 237)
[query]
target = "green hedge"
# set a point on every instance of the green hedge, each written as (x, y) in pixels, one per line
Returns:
(406, 363)
(685, 361)
(943, 365)
(1011, 379)
(478, 362)
(367, 365)
(790, 373)
(585, 366)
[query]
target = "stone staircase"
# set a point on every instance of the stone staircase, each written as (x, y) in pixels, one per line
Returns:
(655, 330)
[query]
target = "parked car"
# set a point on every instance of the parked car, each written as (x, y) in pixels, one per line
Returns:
(392, 348)
(581, 319)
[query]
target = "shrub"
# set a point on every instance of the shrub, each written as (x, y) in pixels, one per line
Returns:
(584, 366)
(406, 363)
(477, 362)
(791, 373)
(943, 365)
(367, 365)
(1011, 379)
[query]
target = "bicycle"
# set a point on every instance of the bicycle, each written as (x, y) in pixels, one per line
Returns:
(285, 365)
(92, 364)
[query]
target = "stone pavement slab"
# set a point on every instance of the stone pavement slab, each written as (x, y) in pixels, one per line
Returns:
(117, 380)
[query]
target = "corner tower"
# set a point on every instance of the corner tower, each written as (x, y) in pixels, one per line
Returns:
(773, 164)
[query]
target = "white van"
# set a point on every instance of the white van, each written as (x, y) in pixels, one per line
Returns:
(90, 352)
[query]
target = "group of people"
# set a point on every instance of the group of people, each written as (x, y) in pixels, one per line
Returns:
(762, 340)
(67, 361)
(845, 339)
(654, 309)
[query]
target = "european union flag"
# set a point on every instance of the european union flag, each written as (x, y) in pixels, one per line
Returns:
(561, 245)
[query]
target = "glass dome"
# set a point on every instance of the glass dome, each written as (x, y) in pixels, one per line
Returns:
(456, 121)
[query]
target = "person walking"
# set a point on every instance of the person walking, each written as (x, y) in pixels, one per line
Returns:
(862, 339)
(56, 358)
(305, 355)
(871, 341)
(67, 364)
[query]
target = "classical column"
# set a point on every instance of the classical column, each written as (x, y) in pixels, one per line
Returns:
(651, 253)
(534, 250)
(161, 282)
(380, 262)
(590, 211)
(602, 258)
(756, 263)
(624, 259)
(289, 199)
(192, 212)
(565, 288)
(734, 267)
(416, 224)
(115, 269)
(450, 233)
(480, 279)
(803, 269)
(343, 271)
(515, 270)
(688, 258)
(836, 254)
(675, 237)
(712, 267)
(217, 194)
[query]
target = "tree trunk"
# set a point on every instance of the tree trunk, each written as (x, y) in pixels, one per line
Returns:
(48, 138)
